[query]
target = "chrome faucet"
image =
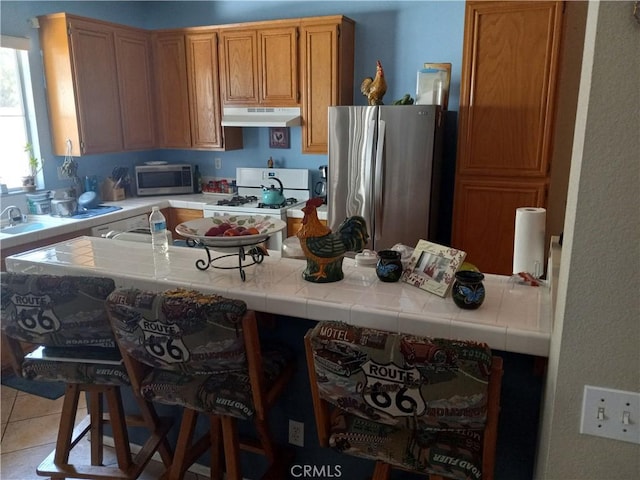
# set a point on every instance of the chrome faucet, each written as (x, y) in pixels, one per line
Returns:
(8, 210)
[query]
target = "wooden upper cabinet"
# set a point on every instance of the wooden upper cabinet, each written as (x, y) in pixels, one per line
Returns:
(133, 55)
(172, 98)
(326, 50)
(239, 60)
(113, 88)
(259, 66)
(99, 85)
(507, 95)
(508, 86)
(188, 92)
(204, 98)
(278, 66)
(82, 85)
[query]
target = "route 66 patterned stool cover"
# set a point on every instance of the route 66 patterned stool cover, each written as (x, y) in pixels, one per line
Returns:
(194, 343)
(66, 316)
(414, 402)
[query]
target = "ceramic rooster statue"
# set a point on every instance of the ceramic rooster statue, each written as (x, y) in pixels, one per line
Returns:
(325, 249)
(375, 88)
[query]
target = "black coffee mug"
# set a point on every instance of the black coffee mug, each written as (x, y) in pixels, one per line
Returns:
(389, 266)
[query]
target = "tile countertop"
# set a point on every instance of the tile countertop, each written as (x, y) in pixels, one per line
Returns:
(130, 208)
(513, 317)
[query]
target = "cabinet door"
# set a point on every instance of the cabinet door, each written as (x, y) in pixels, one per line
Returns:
(133, 54)
(239, 60)
(320, 82)
(181, 215)
(327, 77)
(485, 218)
(204, 99)
(170, 66)
(295, 224)
(278, 64)
(96, 86)
(508, 85)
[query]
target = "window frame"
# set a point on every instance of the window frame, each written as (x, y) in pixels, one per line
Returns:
(22, 45)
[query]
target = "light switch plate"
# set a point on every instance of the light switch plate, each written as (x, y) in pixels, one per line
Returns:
(614, 406)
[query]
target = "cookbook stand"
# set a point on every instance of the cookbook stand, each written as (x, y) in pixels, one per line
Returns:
(255, 253)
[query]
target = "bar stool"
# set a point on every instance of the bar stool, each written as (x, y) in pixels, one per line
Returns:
(66, 317)
(203, 352)
(420, 404)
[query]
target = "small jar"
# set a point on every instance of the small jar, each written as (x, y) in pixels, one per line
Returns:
(389, 266)
(468, 290)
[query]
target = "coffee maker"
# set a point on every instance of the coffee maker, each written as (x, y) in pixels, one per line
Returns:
(321, 186)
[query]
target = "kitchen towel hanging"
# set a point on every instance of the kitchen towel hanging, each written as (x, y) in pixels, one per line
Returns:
(528, 244)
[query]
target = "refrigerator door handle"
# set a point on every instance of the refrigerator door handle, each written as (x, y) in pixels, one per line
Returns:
(379, 177)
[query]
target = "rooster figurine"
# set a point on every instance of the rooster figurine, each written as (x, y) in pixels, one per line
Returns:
(374, 88)
(325, 249)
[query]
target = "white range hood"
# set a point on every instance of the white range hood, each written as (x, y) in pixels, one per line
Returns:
(261, 116)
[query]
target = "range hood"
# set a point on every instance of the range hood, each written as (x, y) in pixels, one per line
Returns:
(260, 116)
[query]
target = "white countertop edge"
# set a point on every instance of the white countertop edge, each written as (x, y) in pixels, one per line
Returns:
(275, 287)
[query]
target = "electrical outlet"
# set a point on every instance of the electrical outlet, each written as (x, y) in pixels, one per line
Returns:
(296, 433)
(611, 414)
(218, 163)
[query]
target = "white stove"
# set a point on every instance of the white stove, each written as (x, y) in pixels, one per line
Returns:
(296, 190)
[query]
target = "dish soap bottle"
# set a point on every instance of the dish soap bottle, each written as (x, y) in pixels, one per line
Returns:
(197, 180)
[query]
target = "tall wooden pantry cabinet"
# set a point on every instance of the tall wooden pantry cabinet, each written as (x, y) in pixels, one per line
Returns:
(509, 76)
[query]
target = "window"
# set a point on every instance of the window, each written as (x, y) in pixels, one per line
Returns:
(16, 112)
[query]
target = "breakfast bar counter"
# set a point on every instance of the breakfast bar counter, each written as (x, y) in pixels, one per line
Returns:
(514, 317)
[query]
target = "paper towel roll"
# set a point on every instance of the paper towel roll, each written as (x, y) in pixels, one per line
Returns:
(528, 244)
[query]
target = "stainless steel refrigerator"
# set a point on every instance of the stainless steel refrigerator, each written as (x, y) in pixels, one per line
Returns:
(385, 164)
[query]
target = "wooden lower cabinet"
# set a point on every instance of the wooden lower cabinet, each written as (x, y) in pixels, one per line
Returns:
(485, 218)
(294, 224)
(176, 216)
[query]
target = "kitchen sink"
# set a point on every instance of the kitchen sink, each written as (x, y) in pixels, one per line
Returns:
(23, 228)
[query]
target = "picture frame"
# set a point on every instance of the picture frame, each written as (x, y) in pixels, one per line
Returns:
(433, 267)
(434, 80)
(279, 137)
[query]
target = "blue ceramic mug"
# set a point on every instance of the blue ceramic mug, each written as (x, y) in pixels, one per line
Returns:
(389, 266)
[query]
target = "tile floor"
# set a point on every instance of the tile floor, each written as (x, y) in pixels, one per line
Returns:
(29, 429)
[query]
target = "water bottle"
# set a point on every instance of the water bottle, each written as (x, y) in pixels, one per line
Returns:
(160, 243)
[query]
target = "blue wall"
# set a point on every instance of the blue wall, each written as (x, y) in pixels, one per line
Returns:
(402, 34)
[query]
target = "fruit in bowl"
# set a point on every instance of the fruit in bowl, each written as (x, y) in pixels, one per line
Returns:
(231, 230)
(227, 230)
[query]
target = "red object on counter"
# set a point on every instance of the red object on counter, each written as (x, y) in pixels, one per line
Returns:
(527, 277)
(216, 186)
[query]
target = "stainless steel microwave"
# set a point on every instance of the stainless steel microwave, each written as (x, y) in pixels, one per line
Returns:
(164, 179)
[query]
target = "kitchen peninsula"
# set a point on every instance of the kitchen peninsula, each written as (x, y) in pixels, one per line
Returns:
(515, 318)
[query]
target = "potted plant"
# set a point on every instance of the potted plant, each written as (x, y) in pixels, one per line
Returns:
(35, 165)
(69, 169)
